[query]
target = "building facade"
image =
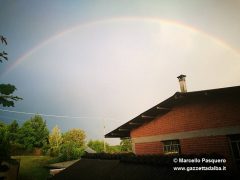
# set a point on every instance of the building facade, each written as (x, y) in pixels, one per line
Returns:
(188, 123)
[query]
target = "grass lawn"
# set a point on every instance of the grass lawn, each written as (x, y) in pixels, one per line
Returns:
(32, 167)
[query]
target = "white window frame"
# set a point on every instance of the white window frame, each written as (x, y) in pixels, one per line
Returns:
(171, 147)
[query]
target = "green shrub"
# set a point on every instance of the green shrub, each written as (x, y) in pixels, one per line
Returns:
(18, 149)
(70, 151)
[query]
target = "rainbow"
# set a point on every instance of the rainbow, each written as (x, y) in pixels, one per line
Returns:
(158, 20)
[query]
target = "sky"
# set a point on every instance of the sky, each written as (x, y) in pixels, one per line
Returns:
(97, 63)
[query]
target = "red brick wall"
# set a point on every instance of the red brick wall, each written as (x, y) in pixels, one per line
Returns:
(193, 116)
(149, 148)
(213, 144)
(216, 144)
(200, 145)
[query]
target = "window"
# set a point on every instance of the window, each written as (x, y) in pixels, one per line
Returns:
(235, 146)
(171, 147)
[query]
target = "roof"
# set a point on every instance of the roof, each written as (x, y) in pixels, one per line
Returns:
(164, 107)
(89, 150)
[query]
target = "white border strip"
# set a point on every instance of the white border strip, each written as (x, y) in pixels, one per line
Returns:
(189, 134)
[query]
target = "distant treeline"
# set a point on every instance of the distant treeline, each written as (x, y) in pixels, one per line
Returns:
(15, 139)
(33, 137)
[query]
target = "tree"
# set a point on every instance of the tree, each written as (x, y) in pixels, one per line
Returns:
(34, 133)
(97, 145)
(4, 141)
(6, 97)
(115, 149)
(77, 136)
(55, 140)
(3, 54)
(73, 144)
(126, 145)
(13, 131)
(6, 90)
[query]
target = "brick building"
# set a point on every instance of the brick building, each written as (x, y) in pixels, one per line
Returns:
(197, 122)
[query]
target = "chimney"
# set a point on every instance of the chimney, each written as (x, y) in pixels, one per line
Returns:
(182, 83)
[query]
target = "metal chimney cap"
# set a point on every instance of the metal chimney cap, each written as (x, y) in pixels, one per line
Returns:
(182, 83)
(181, 76)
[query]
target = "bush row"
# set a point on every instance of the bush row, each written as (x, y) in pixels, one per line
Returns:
(160, 160)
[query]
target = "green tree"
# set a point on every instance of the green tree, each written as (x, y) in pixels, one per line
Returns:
(3, 54)
(6, 99)
(13, 131)
(4, 141)
(55, 140)
(6, 95)
(126, 145)
(34, 133)
(115, 149)
(6, 90)
(98, 146)
(76, 136)
(73, 144)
